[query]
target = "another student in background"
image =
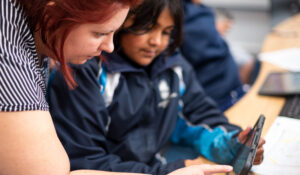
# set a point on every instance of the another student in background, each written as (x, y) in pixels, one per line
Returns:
(210, 56)
(247, 64)
(126, 106)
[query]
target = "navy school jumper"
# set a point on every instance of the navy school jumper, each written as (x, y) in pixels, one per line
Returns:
(120, 121)
(210, 56)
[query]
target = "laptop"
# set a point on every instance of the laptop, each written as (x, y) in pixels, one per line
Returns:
(281, 84)
(284, 84)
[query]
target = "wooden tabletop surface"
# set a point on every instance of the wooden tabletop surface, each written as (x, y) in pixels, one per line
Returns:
(246, 111)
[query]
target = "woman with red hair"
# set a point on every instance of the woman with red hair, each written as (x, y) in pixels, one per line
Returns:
(30, 32)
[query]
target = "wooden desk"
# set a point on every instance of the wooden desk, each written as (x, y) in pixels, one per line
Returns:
(285, 35)
(246, 111)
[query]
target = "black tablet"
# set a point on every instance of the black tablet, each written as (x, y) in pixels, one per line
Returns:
(244, 158)
(281, 84)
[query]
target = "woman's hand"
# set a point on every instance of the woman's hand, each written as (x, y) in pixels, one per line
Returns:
(204, 169)
(260, 150)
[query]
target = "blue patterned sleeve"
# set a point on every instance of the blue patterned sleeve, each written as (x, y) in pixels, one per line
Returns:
(216, 145)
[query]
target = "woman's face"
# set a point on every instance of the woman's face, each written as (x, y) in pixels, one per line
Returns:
(143, 48)
(88, 40)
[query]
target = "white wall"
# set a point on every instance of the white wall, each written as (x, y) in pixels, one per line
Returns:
(252, 21)
(249, 29)
(240, 4)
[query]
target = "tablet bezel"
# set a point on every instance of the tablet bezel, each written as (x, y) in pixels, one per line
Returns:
(273, 92)
(253, 147)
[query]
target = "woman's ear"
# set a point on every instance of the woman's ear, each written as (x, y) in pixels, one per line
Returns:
(49, 4)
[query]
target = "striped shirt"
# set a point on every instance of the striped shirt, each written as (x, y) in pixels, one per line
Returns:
(22, 85)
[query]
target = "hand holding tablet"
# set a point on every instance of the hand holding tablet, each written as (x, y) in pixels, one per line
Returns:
(245, 157)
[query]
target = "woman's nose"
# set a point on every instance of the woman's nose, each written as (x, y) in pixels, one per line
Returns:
(107, 44)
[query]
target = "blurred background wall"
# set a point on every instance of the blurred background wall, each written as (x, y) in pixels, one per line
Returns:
(254, 19)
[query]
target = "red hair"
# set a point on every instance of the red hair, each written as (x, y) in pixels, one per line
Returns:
(58, 17)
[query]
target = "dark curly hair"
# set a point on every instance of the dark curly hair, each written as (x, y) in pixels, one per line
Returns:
(145, 17)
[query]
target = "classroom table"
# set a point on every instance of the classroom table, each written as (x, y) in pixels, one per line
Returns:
(247, 110)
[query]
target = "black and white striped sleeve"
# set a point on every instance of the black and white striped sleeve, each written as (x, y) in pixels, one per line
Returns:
(22, 86)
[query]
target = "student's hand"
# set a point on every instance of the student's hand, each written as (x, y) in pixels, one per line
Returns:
(196, 161)
(204, 169)
(260, 150)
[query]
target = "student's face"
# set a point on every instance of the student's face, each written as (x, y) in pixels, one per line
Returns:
(142, 49)
(88, 40)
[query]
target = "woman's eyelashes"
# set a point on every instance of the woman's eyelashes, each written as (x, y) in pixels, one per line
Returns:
(99, 34)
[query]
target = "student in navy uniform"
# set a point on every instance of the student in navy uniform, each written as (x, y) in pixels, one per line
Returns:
(210, 56)
(126, 106)
(30, 30)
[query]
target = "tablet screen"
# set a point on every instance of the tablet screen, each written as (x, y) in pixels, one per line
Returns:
(281, 83)
(244, 159)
